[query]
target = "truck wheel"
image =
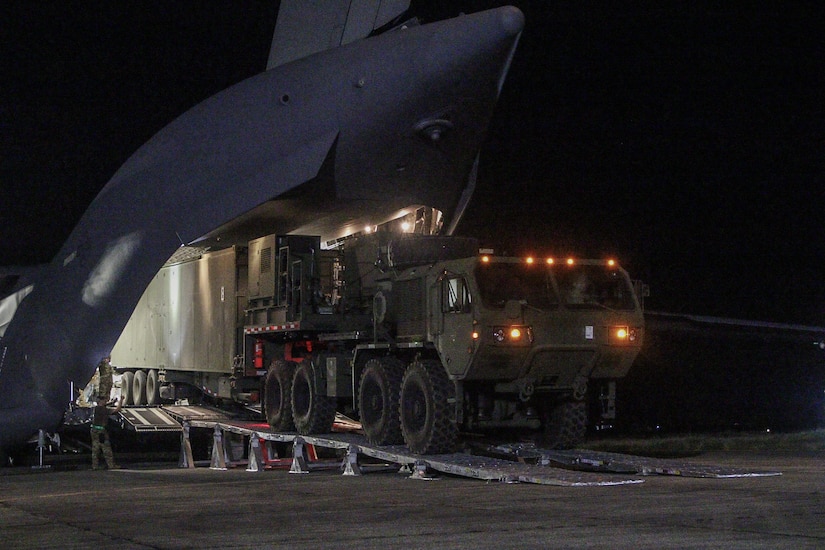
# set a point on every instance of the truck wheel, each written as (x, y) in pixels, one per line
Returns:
(278, 395)
(139, 388)
(378, 398)
(425, 404)
(565, 424)
(152, 388)
(126, 382)
(312, 411)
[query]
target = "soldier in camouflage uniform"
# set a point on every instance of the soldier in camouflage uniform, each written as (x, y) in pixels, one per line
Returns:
(98, 431)
(105, 373)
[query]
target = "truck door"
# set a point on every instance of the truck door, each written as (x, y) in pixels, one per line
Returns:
(454, 338)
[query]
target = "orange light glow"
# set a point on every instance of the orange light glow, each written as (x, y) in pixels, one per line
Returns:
(529, 260)
(515, 334)
(475, 335)
(570, 261)
(621, 333)
(611, 262)
(550, 261)
(485, 259)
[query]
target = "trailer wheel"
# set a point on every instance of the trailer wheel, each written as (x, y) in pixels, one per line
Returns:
(378, 398)
(425, 404)
(278, 395)
(312, 411)
(152, 388)
(565, 424)
(139, 388)
(126, 382)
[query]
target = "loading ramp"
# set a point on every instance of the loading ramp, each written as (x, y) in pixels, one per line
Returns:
(165, 418)
(252, 444)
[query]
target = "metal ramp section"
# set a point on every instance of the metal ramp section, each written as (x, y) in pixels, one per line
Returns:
(166, 418)
(147, 419)
(604, 461)
(225, 455)
(182, 413)
(507, 464)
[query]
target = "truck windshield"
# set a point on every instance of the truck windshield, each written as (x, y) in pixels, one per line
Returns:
(529, 284)
(593, 286)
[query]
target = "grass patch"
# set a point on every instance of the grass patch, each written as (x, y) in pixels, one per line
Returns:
(693, 444)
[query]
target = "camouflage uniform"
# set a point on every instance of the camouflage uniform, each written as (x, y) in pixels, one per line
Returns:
(105, 371)
(98, 431)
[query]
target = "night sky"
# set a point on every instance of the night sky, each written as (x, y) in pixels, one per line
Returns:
(689, 142)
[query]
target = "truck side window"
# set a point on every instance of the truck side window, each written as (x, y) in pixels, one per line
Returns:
(455, 296)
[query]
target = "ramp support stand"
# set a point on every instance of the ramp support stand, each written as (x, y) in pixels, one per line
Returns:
(350, 465)
(420, 471)
(256, 458)
(186, 460)
(218, 461)
(300, 459)
(41, 445)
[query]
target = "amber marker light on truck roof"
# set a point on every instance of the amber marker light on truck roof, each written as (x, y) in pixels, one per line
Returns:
(529, 260)
(570, 261)
(550, 261)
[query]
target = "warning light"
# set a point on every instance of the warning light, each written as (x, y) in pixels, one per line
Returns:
(550, 261)
(485, 259)
(519, 335)
(570, 261)
(611, 263)
(625, 335)
(475, 335)
(529, 260)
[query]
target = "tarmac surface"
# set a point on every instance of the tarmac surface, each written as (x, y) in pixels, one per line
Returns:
(162, 506)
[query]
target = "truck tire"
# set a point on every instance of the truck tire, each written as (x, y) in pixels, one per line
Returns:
(378, 399)
(139, 388)
(312, 411)
(278, 395)
(152, 388)
(425, 405)
(565, 424)
(126, 382)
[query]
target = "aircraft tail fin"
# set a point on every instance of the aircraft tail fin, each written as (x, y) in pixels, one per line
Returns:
(305, 27)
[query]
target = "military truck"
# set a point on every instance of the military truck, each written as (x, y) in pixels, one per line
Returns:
(418, 336)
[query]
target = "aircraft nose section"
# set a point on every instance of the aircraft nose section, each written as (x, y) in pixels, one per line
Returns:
(477, 47)
(512, 20)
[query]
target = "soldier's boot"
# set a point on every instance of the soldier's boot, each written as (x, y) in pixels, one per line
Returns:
(110, 458)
